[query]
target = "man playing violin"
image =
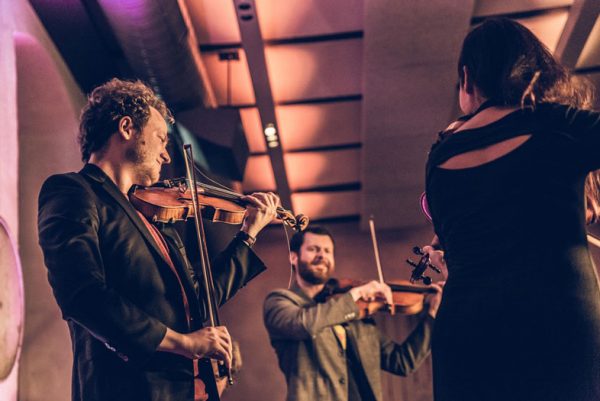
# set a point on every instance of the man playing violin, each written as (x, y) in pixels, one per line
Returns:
(324, 350)
(125, 285)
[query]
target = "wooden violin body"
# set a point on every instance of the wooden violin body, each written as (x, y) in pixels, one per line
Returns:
(172, 200)
(167, 205)
(408, 298)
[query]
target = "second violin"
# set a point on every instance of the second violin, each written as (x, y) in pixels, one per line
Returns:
(407, 298)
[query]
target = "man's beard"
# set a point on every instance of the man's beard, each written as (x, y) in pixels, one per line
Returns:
(138, 156)
(314, 276)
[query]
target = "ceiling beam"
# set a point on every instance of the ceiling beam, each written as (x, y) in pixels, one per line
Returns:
(582, 18)
(254, 47)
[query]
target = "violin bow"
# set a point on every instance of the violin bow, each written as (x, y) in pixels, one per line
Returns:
(592, 239)
(208, 282)
(377, 258)
(213, 316)
(375, 248)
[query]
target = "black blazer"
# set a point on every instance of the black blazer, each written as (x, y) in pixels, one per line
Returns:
(118, 293)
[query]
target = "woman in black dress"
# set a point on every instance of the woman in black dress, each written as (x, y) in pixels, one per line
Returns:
(520, 318)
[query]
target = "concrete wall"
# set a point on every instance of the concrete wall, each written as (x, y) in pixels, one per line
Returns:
(39, 105)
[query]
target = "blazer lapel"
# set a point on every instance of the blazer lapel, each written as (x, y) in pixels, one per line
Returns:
(96, 174)
(184, 270)
(302, 299)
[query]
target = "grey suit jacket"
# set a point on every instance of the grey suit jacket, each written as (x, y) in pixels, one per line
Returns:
(314, 365)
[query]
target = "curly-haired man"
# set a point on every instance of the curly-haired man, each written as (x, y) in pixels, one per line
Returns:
(124, 284)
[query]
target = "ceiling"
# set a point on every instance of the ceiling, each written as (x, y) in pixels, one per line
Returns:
(339, 99)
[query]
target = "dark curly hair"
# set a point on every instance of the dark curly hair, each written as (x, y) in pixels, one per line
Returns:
(510, 66)
(110, 102)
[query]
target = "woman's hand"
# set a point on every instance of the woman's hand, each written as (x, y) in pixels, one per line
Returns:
(436, 256)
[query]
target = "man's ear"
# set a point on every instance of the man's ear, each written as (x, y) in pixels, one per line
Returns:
(126, 128)
(467, 84)
(293, 258)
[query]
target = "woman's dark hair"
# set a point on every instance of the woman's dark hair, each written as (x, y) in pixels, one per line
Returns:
(298, 238)
(110, 102)
(510, 66)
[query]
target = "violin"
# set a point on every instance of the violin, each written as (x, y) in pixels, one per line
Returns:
(407, 298)
(421, 266)
(171, 200)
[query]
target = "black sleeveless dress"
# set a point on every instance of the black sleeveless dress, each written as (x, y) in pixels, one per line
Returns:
(520, 317)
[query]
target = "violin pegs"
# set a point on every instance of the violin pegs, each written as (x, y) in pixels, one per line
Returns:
(417, 251)
(434, 268)
(410, 262)
(301, 221)
(426, 280)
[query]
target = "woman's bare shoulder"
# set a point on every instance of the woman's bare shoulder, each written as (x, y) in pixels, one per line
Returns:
(486, 117)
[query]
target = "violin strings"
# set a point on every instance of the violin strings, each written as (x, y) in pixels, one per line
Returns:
(224, 187)
(225, 191)
(220, 189)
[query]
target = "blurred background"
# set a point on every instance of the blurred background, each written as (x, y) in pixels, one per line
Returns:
(333, 104)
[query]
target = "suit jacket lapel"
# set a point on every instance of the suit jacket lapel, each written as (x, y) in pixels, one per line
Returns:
(303, 298)
(95, 173)
(184, 270)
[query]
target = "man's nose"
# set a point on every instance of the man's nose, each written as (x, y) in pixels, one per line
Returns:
(165, 156)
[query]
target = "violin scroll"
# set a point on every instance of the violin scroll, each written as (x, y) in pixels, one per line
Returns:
(298, 222)
(421, 266)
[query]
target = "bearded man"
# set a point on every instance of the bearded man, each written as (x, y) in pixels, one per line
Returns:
(325, 350)
(123, 283)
